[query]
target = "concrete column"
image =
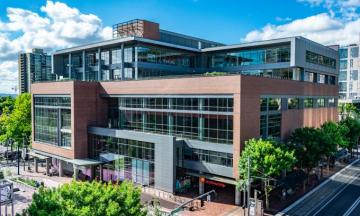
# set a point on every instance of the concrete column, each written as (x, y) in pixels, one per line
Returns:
(75, 171)
(237, 197)
(36, 165)
(101, 172)
(61, 168)
(47, 166)
(92, 172)
(201, 185)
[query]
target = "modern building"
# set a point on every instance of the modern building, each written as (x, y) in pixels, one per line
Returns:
(349, 82)
(156, 106)
(33, 67)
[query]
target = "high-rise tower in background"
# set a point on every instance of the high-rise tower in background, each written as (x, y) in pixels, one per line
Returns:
(349, 82)
(34, 66)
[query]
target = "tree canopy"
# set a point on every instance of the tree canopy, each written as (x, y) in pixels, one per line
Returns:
(87, 198)
(16, 125)
(352, 133)
(305, 143)
(268, 158)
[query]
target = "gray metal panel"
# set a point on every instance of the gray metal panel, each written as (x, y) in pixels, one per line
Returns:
(209, 168)
(122, 40)
(165, 170)
(250, 44)
(303, 44)
(209, 146)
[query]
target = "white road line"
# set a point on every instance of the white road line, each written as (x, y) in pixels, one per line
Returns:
(323, 205)
(352, 207)
(282, 213)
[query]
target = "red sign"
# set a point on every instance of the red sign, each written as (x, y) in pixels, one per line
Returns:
(218, 184)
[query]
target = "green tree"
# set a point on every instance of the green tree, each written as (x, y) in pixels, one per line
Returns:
(268, 159)
(6, 103)
(87, 198)
(332, 136)
(352, 134)
(17, 124)
(348, 110)
(305, 143)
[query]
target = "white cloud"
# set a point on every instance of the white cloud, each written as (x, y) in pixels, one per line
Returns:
(339, 25)
(61, 26)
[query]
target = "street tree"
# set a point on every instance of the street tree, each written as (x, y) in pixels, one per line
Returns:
(352, 134)
(87, 198)
(332, 135)
(268, 159)
(305, 143)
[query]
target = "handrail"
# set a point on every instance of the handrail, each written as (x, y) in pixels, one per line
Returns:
(184, 204)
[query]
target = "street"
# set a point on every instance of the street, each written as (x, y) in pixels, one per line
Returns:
(339, 195)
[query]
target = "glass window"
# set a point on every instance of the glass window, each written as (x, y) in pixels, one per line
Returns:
(47, 125)
(342, 86)
(315, 58)
(354, 52)
(293, 103)
(274, 104)
(343, 75)
(354, 75)
(321, 102)
(207, 156)
(250, 57)
(308, 103)
(332, 102)
(343, 53)
(343, 64)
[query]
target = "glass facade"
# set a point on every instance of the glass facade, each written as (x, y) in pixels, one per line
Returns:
(318, 59)
(250, 57)
(272, 107)
(52, 120)
(124, 158)
(207, 156)
(205, 119)
(281, 73)
(159, 55)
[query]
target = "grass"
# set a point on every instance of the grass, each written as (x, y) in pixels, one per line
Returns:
(26, 181)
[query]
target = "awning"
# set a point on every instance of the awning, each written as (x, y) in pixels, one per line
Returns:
(213, 178)
(78, 162)
(84, 162)
(34, 154)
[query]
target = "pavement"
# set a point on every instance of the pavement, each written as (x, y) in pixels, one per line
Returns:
(337, 196)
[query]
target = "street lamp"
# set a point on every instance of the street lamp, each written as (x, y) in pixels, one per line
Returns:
(18, 159)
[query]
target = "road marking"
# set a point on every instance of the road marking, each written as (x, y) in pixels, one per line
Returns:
(323, 205)
(352, 207)
(283, 212)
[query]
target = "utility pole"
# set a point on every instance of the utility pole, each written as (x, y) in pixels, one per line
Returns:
(248, 187)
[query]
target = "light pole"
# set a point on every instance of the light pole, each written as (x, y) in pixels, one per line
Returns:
(18, 159)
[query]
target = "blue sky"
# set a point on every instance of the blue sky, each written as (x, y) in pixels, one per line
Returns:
(211, 19)
(52, 25)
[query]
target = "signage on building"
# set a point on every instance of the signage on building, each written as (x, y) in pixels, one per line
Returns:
(215, 183)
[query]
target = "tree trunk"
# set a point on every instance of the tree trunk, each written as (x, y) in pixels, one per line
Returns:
(328, 164)
(266, 194)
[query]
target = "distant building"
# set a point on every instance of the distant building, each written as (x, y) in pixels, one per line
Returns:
(349, 82)
(33, 67)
